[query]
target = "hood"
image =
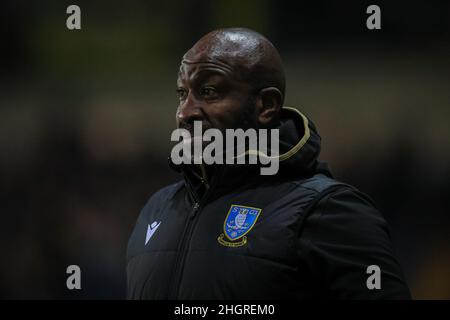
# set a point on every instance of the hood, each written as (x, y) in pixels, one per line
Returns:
(300, 143)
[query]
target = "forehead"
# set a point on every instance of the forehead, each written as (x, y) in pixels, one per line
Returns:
(192, 71)
(211, 57)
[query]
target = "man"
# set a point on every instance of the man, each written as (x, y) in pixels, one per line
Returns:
(228, 232)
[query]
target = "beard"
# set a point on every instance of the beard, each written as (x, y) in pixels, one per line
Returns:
(245, 120)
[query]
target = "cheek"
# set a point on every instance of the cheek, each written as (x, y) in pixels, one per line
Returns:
(226, 114)
(231, 114)
(176, 116)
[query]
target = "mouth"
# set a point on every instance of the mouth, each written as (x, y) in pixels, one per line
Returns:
(190, 127)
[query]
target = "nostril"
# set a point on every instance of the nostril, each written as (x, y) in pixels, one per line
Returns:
(189, 114)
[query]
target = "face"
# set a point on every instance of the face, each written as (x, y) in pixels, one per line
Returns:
(210, 92)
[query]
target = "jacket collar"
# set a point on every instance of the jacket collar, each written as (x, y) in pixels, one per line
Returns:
(299, 149)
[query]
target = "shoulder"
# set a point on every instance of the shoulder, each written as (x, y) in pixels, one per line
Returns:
(151, 212)
(330, 198)
(340, 209)
(321, 187)
(155, 203)
(319, 182)
(163, 195)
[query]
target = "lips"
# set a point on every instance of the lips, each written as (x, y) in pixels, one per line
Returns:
(190, 127)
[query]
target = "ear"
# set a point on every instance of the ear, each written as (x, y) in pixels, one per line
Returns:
(269, 103)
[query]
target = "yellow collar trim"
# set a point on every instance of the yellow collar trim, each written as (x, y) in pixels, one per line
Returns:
(295, 148)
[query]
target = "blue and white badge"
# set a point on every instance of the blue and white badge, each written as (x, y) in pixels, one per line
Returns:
(239, 221)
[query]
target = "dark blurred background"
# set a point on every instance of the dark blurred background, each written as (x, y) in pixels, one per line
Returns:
(86, 116)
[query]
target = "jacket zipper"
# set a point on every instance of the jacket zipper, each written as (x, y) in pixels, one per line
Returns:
(186, 238)
(182, 252)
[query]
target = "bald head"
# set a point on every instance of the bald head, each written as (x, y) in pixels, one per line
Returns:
(248, 55)
(231, 78)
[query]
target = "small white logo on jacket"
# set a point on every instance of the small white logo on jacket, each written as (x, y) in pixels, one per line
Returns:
(151, 230)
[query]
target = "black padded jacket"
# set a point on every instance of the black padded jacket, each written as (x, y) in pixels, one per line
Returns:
(299, 234)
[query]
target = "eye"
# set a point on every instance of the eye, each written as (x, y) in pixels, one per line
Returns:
(208, 92)
(181, 93)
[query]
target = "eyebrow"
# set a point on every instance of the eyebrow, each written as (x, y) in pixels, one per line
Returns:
(205, 73)
(209, 62)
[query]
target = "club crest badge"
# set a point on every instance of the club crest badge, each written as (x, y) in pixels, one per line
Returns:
(239, 221)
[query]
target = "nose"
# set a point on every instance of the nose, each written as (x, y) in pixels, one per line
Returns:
(189, 110)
